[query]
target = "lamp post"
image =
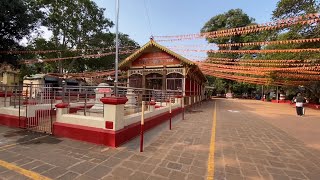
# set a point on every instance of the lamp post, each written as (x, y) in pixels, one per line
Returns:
(63, 90)
(117, 47)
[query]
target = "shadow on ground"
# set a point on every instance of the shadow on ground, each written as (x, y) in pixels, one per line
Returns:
(29, 137)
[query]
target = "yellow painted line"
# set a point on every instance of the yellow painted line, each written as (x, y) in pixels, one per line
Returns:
(27, 173)
(210, 174)
(22, 171)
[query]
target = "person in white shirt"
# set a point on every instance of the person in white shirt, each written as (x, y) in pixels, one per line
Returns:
(299, 104)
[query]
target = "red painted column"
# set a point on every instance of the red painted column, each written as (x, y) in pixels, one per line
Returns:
(190, 85)
(195, 92)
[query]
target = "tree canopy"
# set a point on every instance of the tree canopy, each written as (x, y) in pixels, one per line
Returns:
(75, 24)
(18, 19)
(234, 18)
(284, 9)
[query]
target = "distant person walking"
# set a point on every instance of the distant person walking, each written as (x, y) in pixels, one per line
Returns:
(299, 104)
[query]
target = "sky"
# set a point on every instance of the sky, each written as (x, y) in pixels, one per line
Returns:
(175, 17)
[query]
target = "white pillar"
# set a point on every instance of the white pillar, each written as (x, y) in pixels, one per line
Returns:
(62, 108)
(152, 105)
(113, 112)
(178, 99)
(58, 99)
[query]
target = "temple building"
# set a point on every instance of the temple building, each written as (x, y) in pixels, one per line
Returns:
(156, 67)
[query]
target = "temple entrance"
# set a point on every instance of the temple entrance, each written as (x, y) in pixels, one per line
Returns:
(154, 81)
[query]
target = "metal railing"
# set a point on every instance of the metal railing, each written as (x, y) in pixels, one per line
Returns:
(85, 100)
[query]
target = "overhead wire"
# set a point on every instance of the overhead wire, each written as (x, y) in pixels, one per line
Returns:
(148, 17)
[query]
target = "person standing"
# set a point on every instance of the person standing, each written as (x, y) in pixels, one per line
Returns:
(299, 104)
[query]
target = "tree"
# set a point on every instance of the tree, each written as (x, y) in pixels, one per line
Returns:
(73, 23)
(100, 43)
(106, 40)
(232, 19)
(294, 8)
(18, 19)
(76, 24)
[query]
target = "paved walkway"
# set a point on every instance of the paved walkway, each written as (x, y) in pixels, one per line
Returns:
(177, 154)
(248, 145)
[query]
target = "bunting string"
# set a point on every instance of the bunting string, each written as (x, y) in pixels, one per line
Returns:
(265, 64)
(261, 81)
(303, 20)
(63, 50)
(312, 68)
(295, 41)
(263, 51)
(209, 59)
(32, 61)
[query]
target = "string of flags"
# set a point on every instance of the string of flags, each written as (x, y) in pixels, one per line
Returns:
(262, 51)
(61, 50)
(303, 20)
(295, 41)
(32, 61)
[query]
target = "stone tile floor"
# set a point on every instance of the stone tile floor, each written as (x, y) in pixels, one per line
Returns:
(177, 154)
(247, 146)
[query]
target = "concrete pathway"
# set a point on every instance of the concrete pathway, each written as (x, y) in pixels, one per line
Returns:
(246, 144)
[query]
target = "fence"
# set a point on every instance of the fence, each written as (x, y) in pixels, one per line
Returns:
(85, 100)
(34, 104)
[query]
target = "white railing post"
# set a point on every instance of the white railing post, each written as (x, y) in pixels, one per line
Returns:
(113, 112)
(62, 108)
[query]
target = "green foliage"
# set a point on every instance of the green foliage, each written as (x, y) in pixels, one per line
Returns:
(240, 88)
(74, 21)
(76, 24)
(17, 19)
(232, 19)
(291, 8)
(220, 85)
